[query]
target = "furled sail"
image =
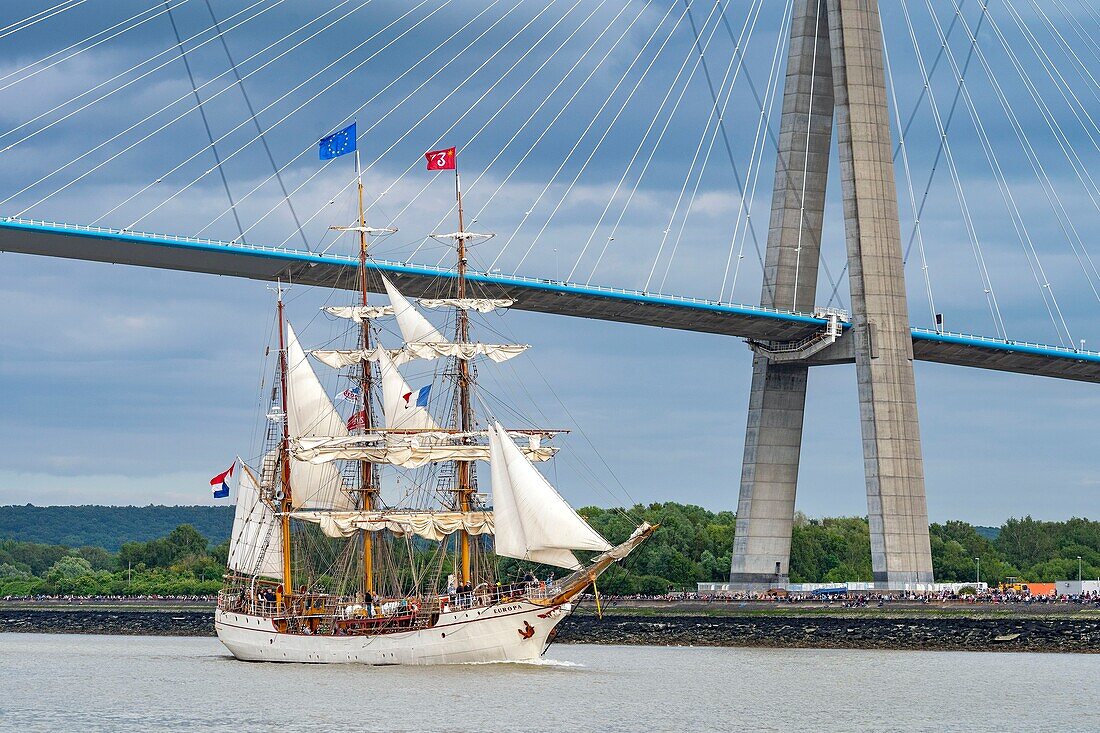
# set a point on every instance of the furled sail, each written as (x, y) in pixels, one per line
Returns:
(404, 451)
(415, 328)
(437, 349)
(255, 547)
(359, 313)
(481, 305)
(399, 401)
(310, 414)
(434, 526)
(533, 521)
(339, 358)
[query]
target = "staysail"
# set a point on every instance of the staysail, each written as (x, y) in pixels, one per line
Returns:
(254, 547)
(310, 414)
(414, 327)
(533, 521)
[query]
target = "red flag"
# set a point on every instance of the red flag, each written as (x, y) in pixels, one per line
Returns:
(357, 421)
(441, 160)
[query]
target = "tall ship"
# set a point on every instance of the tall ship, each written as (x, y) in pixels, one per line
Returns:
(369, 539)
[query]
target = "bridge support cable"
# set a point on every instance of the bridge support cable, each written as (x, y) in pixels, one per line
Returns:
(717, 108)
(530, 49)
(40, 16)
(528, 78)
(672, 86)
(584, 133)
(301, 106)
(624, 32)
(546, 98)
(1080, 66)
(468, 109)
(205, 119)
(134, 143)
(1080, 250)
(125, 84)
(259, 129)
(592, 153)
(50, 60)
(1019, 225)
(892, 88)
(805, 171)
(312, 147)
(775, 144)
(1086, 38)
(1057, 78)
(717, 113)
(960, 194)
(756, 163)
(313, 34)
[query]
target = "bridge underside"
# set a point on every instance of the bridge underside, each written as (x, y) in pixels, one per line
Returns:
(544, 296)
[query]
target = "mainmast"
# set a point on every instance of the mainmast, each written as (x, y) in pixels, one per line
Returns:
(463, 474)
(368, 477)
(447, 159)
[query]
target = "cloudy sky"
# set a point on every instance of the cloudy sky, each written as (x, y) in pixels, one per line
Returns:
(589, 145)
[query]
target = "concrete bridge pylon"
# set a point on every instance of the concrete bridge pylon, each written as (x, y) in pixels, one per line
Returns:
(835, 75)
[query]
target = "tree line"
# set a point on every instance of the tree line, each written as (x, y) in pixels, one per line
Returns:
(692, 545)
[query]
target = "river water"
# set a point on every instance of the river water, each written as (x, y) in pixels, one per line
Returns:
(116, 683)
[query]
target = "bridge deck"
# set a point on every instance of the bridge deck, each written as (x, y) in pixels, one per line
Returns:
(545, 296)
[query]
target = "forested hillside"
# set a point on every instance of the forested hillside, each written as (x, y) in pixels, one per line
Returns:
(92, 549)
(109, 526)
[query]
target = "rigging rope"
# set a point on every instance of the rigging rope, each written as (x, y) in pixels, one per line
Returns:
(738, 56)
(641, 144)
(979, 257)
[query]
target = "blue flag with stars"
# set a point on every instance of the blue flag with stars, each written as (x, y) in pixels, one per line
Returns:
(338, 143)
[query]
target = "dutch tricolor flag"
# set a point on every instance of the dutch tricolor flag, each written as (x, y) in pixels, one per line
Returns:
(219, 485)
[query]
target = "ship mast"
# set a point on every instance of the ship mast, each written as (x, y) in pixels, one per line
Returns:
(284, 448)
(368, 477)
(464, 487)
(368, 484)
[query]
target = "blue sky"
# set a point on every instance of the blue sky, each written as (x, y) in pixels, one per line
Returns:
(135, 386)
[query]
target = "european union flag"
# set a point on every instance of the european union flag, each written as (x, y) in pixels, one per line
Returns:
(338, 143)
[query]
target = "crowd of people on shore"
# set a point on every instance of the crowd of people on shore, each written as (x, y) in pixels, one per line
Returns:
(864, 598)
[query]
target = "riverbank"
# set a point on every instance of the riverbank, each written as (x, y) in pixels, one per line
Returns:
(905, 627)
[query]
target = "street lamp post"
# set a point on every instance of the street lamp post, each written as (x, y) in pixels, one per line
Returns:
(977, 571)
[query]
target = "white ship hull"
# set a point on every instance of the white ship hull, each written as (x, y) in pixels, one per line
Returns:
(506, 632)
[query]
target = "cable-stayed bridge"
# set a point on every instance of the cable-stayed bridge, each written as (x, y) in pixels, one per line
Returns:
(695, 104)
(544, 296)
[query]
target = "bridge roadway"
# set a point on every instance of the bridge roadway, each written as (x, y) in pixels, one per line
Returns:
(544, 296)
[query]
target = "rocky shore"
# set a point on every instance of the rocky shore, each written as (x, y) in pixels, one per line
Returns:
(828, 632)
(1026, 633)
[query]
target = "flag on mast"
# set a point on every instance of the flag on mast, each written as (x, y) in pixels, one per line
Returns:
(338, 143)
(219, 485)
(441, 160)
